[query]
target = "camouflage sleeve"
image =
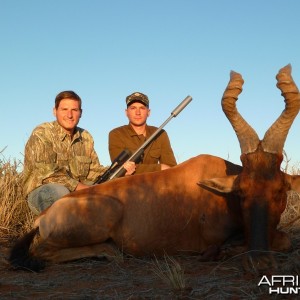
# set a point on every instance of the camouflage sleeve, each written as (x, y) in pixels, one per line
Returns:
(96, 169)
(41, 167)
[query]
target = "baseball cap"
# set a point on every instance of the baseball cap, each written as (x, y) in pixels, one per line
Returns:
(137, 97)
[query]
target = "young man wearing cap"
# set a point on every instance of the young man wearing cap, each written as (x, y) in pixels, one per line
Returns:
(158, 155)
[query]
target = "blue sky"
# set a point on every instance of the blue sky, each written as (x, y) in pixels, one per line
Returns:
(105, 50)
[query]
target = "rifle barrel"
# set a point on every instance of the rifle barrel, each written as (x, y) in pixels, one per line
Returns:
(181, 106)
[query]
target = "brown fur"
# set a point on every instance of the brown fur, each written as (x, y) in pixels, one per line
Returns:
(156, 213)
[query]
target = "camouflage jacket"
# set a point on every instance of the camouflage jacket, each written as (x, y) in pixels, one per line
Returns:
(159, 151)
(51, 157)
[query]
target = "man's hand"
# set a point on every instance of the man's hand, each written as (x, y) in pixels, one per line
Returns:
(130, 167)
(164, 167)
(81, 186)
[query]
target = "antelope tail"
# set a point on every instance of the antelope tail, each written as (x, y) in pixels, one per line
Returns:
(20, 256)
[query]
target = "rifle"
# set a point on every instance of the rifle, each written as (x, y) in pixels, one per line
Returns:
(118, 161)
(120, 171)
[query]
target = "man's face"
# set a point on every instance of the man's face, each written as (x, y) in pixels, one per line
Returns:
(137, 113)
(68, 114)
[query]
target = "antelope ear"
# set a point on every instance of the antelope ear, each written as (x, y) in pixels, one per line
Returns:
(294, 181)
(222, 185)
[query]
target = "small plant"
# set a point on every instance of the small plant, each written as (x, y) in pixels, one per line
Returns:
(170, 272)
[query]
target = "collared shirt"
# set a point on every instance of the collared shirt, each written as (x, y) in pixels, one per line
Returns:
(52, 157)
(157, 152)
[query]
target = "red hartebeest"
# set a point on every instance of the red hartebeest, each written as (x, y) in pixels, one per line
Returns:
(189, 208)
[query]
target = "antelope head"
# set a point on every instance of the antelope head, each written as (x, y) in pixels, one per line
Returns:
(261, 186)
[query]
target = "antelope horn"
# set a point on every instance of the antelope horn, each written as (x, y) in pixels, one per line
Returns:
(246, 135)
(275, 137)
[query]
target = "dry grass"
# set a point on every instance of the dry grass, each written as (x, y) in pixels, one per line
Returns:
(171, 272)
(15, 216)
(290, 219)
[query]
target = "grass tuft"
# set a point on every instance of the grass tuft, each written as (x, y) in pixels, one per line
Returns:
(171, 272)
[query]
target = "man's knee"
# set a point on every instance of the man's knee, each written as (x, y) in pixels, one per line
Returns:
(35, 209)
(44, 196)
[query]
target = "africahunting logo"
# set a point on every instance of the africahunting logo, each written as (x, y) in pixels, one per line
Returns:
(281, 284)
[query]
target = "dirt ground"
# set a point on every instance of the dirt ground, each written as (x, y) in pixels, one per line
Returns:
(132, 278)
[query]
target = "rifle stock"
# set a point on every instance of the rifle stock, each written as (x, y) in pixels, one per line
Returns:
(119, 172)
(118, 162)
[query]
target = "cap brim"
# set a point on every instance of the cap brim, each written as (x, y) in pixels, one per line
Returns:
(137, 100)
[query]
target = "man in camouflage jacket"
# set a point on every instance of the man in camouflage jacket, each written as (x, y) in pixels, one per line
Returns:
(59, 156)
